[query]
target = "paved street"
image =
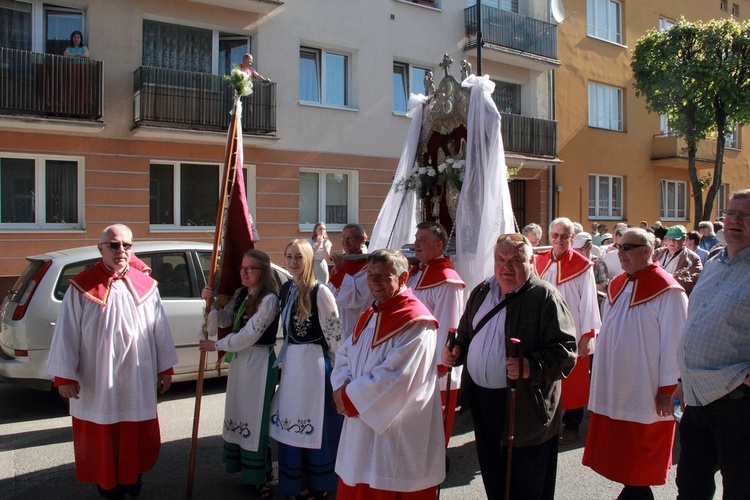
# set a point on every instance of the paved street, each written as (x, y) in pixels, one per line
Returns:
(36, 453)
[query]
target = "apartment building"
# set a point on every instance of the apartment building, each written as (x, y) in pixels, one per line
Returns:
(621, 163)
(136, 134)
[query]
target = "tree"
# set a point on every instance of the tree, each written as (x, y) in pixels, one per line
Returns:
(698, 74)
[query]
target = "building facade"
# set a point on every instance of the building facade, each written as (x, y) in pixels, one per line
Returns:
(136, 134)
(621, 163)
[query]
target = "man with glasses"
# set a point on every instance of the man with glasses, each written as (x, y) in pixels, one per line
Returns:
(573, 276)
(111, 352)
(348, 277)
(631, 430)
(385, 383)
(514, 305)
(714, 360)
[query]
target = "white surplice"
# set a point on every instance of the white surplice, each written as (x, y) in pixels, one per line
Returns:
(637, 348)
(580, 295)
(114, 352)
(397, 442)
(352, 298)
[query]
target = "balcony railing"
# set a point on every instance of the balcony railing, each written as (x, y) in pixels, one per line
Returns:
(199, 101)
(514, 31)
(524, 134)
(47, 85)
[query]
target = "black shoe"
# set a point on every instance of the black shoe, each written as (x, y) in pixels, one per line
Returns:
(115, 493)
(135, 489)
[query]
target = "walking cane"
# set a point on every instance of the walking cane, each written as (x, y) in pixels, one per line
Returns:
(451, 344)
(512, 415)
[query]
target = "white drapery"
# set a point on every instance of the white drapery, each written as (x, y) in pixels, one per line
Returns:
(484, 207)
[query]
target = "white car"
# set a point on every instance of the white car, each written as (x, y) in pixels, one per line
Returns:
(29, 312)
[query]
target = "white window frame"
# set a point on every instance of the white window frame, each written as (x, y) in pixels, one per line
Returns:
(596, 198)
(678, 210)
(352, 195)
(605, 107)
(732, 137)
(40, 202)
(612, 29)
(322, 73)
(250, 182)
(411, 86)
(38, 19)
(721, 200)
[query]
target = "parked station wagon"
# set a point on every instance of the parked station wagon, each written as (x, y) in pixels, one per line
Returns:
(29, 312)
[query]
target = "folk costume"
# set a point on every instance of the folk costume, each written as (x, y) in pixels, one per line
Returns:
(250, 384)
(573, 276)
(349, 287)
(636, 357)
(395, 441)
(113, 339)
(439, 287)
(303, 415)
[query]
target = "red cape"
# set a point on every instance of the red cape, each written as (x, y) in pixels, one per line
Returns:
(570, 265)
(395, 315)
(95, 283)
(351, 267)
(436, 272)
(649, 283)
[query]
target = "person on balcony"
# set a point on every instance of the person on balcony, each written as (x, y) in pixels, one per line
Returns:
(77, 48)
(247, 67)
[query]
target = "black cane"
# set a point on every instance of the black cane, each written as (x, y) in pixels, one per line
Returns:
(512, 415)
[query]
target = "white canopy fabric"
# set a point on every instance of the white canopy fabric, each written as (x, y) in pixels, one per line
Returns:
(484, 207)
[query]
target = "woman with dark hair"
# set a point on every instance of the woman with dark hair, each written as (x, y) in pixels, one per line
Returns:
(304, 419)
(253, 314)
(77, 48)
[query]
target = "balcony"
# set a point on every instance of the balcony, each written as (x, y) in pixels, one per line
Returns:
(527, 135)
(671, 151)
(199, 101)
(509, 35)
(49, 86)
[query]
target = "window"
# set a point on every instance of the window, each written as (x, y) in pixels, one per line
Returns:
(721, 200)
(735, 10)
(59, 23)
(15, 25)
(53, 36)
(38, 192)
(231, 51)
(604, 20)
(605, 197)
(329, 196)
(673, 200)
(664, 128)
(509, 5)
(665, 24)
(171, 46)
(507, 97)
(732, 136)
(723, 6)
(323, 77)
(406, 80)
(183, 195)
(605, 107)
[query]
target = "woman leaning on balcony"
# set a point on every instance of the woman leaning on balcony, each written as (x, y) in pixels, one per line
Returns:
(77, 48)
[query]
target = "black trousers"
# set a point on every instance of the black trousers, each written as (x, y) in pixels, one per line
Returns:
(533, 468)
(716, 437)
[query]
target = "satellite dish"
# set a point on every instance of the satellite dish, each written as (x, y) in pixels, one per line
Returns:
(558, 11)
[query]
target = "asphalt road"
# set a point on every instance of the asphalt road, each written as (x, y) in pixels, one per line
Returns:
(36, 453)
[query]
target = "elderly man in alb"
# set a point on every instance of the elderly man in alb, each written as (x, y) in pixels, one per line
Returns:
(515, 304)
(635, 372)
(677, 259)
(347, 281)
(111, 352)
(385, 381)
(439, 287)
(573, 276)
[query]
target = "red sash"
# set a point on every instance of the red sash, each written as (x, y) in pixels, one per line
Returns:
(395, 315)
(95, 283)
(436, 272)
(570, 265)
(351, 267)
(648, 283)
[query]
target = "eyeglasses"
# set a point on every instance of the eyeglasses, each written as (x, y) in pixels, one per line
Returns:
(515, 237)
(626, 247)
(115, 245)
(731, 214)
(249, 269)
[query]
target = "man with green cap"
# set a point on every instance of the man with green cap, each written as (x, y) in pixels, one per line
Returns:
(679, 261)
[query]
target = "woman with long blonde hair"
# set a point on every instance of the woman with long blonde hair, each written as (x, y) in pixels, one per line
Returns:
(303, 415)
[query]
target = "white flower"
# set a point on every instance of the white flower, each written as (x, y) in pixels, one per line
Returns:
(459, 164)
(449, 161)
(422, 170)
(431, 172)
(442, 167)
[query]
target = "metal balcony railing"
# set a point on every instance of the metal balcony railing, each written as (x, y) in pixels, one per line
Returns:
(48, 85)
(511, 30)
(524, 134)
(199, 101)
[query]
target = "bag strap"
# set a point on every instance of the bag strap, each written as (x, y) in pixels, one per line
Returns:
(507, 300)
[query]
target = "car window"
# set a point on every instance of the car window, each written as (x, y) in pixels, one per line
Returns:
(171, 270)
(23, 281)
(205, 259)
(68, 272)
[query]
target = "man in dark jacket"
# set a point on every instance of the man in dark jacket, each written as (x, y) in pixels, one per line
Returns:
(515, 304)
